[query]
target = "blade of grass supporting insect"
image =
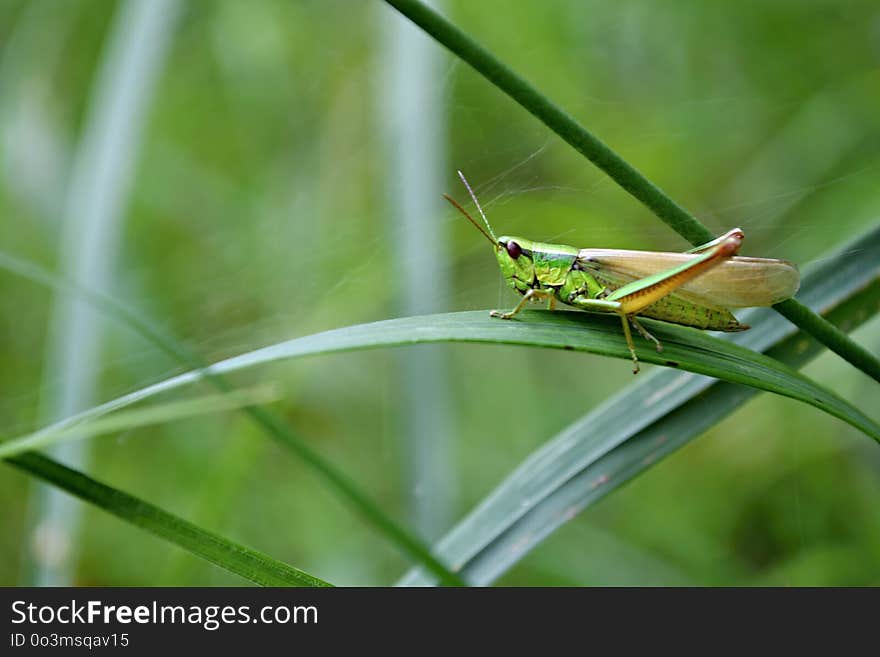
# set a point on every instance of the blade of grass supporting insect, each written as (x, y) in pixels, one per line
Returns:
(687, 349)
(618, 169)
(101, 174)
(610, 445)
(239, 559)
(684, 348)
(413, 124)
(268, 421)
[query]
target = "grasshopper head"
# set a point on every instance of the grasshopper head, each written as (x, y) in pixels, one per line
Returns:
(514, 255)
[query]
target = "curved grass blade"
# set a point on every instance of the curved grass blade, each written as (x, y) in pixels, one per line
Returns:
(132, 419)
(610, 445)
(684, 348)
(619, 170)
(234, 557)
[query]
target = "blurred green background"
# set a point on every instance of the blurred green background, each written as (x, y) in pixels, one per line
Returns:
(283, 177)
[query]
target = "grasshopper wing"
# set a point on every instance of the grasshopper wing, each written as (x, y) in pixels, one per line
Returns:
(738, 282)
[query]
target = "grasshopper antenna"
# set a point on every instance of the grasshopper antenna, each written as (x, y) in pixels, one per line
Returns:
(458, 207)
(477, 203)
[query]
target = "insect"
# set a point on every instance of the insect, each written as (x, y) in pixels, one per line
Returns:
(695, 288)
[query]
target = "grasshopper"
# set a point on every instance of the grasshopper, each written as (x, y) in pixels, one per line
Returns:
(695, 288)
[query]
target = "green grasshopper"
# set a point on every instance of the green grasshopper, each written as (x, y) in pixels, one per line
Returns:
(696, 288)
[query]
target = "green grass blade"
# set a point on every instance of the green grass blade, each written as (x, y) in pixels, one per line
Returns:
(685, 349)
(236, 558)
(825, 332)
(555, 118)
(618, 169)
(133, 419)
(610, 445)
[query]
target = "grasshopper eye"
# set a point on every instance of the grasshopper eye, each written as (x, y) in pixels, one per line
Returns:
(514, 250)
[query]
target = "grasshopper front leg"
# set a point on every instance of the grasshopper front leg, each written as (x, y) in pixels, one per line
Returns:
(530, 294)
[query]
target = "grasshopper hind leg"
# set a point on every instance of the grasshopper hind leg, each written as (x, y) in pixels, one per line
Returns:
(644, 333)
(626, 320)
(629, 342)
